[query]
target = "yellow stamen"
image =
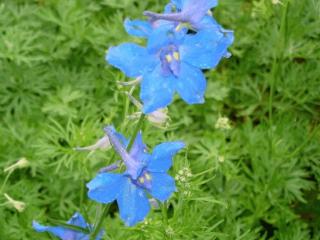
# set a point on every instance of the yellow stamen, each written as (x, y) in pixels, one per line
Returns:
(178, 28)
(176, 55)
(169, 58)
(141, 180)
(148, 176)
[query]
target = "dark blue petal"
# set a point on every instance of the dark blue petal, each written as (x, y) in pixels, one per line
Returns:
(161, 158)
(133, 203)
(191, 84)
(131, 58)
(138, 28)
(156, 90)
(105, 187)
(200, 50)
(162, 186)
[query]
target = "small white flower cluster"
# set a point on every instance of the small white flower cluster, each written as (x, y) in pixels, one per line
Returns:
(183, 178)
(221, 158)
(169, 231)
(223, 123)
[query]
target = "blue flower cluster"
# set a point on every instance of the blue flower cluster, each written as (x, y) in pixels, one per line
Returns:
(181, 42)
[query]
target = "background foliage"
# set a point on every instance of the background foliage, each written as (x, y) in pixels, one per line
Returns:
(259, 180)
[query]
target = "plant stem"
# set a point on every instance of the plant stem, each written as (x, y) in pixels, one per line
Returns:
(6, 180)
(274, 72)
(98, 226)
(136, 130)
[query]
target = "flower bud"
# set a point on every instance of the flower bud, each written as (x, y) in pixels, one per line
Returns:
(21, 163)
(18, 205)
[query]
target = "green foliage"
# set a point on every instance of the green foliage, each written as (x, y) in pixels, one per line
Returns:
(258, 180)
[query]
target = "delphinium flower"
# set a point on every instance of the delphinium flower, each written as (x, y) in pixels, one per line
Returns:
(172, 61)
(145, 174)
(176, 67)
(65, 233)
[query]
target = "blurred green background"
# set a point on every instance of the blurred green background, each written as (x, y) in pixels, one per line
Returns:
(257, 180)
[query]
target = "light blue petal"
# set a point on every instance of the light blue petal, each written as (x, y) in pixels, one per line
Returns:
(60, 232)
(161, 158)
(156, 90)
(133, 203)
(105, 187)
(131, 58)
(162, 186)
(138, 28)
(200, 50)
(191, 84)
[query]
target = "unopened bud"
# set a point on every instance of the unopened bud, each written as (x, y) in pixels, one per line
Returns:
(21, 163)
(18, 205)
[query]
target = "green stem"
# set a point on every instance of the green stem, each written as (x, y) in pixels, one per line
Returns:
(6, 180)
(136, 130)
(98, 226)
(164, 218)
(274, 72)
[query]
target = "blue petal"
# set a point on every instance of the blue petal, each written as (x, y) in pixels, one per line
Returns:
(138, 28)
(133, 203)
(122, 138)
(60, 232)
(178, 4)
(161, 35)
(197, 9)
(131, 58)
(105, 187)
(138, 147)
(200, 50)
(161, 158)
(162, 186)
(156, 90)
(78, 220)
(191, 84)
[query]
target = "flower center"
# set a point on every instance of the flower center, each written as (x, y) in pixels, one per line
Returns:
(144, 180)
(170, 60)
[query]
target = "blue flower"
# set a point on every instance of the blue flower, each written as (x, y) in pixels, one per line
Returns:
(193, 12)
(68, 234)
(174, 67)
(145, 174)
